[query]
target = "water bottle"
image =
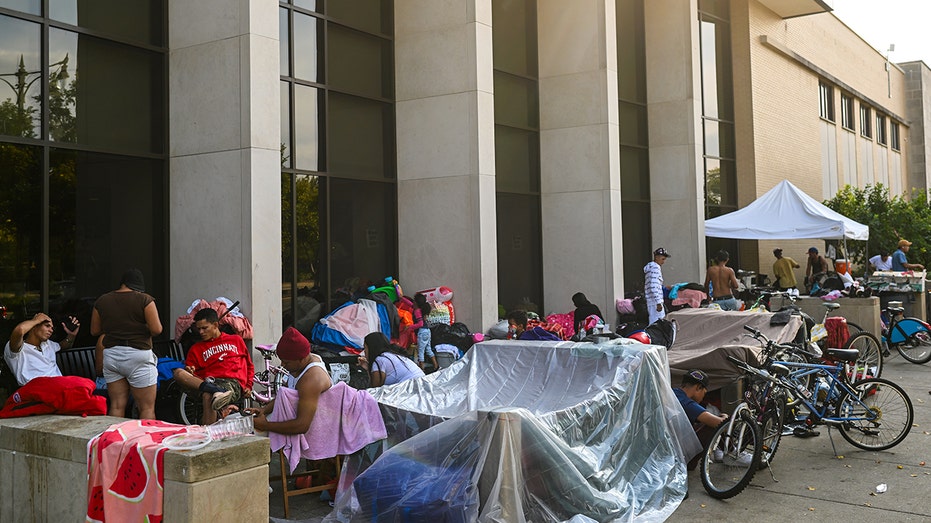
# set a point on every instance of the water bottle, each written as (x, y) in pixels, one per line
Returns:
(805, 393)
(233, 425)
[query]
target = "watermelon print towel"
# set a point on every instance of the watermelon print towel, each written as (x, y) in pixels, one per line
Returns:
(125, 471)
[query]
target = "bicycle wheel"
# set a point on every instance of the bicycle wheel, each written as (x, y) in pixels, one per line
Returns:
(870, 362)
(771, 428)
(732, 457)
(190, 409)
(917, 348)
(878, 415)
(853, 329)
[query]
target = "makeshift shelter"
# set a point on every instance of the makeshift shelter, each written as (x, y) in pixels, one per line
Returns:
(525, 431)
(785, 213)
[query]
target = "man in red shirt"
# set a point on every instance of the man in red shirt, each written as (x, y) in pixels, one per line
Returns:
(220, 366)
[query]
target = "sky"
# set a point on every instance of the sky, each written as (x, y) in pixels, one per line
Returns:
(905, 23)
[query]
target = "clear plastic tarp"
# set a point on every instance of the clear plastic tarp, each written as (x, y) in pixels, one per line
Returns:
(527, 431)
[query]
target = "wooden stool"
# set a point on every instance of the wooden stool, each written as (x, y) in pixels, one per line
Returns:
(284, 477)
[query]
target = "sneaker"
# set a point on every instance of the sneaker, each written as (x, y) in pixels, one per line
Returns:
(222, 399)
(717, 456)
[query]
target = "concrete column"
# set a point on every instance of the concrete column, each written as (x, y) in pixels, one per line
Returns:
(579, 153)
(446, 160)
(225, 188)
(674, 114)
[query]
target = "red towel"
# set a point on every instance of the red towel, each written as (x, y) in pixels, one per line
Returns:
(70, 395)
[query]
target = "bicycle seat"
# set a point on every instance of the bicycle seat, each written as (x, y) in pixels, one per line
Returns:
(267, 349)
(843, 354)
(831, 306)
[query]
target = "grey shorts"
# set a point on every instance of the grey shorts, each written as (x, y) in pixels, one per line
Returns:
(137, 366)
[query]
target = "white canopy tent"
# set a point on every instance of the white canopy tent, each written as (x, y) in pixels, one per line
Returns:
(785, 213)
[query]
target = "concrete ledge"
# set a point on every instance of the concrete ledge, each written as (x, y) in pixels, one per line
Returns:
(43, 473)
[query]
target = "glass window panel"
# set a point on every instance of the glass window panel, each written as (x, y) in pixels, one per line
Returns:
(517, 160)
(520, 265)
(635, 174)
(106, 215)
(284, 42)
(311, 296)
(363, 236)
(21, 266)
(114, 94)
(308, 48)
(718, 8)
(637, 241)
(374, 16)
(308, 144)
(287, 251)
(361, 137)
(633, 124)
(63, 62)
(33, 7)
(310, 5)
(514, 34)
(516, 101)
(709, 69)
(141, 20)
(285, 122)
(20, 78)
(631, 57)
(359, 63)
(865, 124)
(712, 138)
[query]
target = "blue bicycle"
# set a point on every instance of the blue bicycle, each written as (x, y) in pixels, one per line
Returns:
(871, 413)
(911, 337)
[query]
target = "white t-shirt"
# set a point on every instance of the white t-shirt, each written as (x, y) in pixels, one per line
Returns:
(877, 261)
(396, 368)
(31, 362)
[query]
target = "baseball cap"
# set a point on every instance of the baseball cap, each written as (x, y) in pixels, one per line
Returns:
(661, 252)
(904, 243)
(813, 249)
(777, 251)
(696, 376)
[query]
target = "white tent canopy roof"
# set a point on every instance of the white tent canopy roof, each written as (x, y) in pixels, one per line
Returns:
(785, 213)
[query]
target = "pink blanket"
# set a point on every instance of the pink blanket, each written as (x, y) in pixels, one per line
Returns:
(126, 472)
(346, 420)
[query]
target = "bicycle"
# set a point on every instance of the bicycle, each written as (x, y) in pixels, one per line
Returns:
(870, 413)
(911, 337)
(271, 378)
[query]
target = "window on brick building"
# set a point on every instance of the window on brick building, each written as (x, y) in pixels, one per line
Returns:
(847, 112)
(894, 135)
(866, 126)
(880, 128)
(826, 93)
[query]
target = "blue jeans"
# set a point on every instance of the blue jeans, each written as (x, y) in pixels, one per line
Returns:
(730, 304)
(423, 344)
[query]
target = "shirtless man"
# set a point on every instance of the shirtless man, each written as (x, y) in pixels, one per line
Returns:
(723, 282)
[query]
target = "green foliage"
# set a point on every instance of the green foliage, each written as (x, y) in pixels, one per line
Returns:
(889, 219)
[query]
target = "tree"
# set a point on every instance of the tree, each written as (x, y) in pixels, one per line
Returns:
(889, 220)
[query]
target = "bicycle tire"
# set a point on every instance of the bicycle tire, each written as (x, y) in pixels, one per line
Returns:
(870, 362)
(190, 410)
(853, 329)
(742, 446)
(917, 348)
(883, 397)
(771, 428)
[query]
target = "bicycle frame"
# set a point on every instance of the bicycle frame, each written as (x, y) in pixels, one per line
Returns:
(271, 378)
(899, 330)
(837, 386)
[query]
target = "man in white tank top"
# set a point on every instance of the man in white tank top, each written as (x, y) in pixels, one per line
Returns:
(308, 376)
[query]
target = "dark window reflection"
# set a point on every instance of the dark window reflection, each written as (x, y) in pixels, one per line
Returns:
(308, 48)
(284, 43)
(109, 95)
(20, 78)
(20, 233)
(287, 248)
(363, 238)
(516, 101)
(105, 215)
(631, 57)
(517, 160)
(633, 124)
(308, 128)
(519, 252)
(285, 122)
(514, 34)
(635, 174)
(33, 7)
(360, 137)
(140, 20)
(303, 277)
(635, 217)
(359, 63)
(312, 5)
(374, 16)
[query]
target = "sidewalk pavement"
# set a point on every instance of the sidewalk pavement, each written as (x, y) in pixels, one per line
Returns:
(810, 484)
